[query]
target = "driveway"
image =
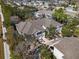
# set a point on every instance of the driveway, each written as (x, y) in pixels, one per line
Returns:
(50, 42)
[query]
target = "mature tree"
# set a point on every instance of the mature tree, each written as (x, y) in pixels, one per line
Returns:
(72, 23)
(51, 32)
(60, 15)
(24, 13)
(68, 29)
(46, 53)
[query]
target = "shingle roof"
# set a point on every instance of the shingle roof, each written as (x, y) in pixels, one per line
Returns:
(37, 25)
(20, 26)
(31, 27)
(69, 47)
(27, 27)
(46, 12)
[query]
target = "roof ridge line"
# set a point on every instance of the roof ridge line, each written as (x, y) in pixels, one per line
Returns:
(23, 27)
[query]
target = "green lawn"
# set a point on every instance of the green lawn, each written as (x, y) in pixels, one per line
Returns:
(1, 49)
(1, 44)
(6, 12)
(6, 9)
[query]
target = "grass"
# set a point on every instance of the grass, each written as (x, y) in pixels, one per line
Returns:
(6, 12)
(6, 9)
(10, 38)
(1, 49)
(1, 44)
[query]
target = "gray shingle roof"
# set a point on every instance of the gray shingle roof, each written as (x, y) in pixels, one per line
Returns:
(69, 47)
(20, 26)
(46, 12)
(37, 25)
(33, 26)
(27, 27)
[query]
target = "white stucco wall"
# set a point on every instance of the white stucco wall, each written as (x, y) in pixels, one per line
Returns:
(58, 54)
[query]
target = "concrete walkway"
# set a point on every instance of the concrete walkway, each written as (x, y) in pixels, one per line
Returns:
(4, 31)
(50, 42)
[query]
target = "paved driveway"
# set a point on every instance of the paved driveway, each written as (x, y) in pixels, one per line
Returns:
(50, 42)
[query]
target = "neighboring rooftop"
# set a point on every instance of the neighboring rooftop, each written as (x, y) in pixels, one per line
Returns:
(69, 46)
(46, 12)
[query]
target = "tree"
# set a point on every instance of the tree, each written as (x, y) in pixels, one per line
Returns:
(60, 15)
(76, 32)
(46, 53)
(73, 2)
(69, 28)
(66, 31)
(13, 56)
(73, 23)
(24, 13)
(51, 32)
